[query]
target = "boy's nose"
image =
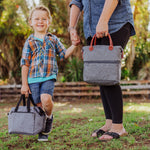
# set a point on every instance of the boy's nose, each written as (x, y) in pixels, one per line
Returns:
(40, 20)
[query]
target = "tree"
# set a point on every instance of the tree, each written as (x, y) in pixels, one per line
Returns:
(138, 47)
(13, 31)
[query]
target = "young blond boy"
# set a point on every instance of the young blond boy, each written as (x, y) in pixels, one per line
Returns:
(39, 65)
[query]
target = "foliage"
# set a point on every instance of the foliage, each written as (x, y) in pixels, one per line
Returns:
(73, 125)
(14, 30)
(141, 58)
(74, 70)
(144, 73)
(138, 48)
(125, 73)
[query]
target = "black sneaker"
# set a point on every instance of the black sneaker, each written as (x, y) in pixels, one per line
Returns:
(48, 126)
(42, 137)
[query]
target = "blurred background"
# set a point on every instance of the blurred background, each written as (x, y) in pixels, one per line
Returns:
(14, 30)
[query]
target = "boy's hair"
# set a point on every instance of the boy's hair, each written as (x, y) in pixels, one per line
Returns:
(43, 8)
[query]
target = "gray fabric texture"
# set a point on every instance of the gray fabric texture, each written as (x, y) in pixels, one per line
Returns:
(23, 122)
(101, 65)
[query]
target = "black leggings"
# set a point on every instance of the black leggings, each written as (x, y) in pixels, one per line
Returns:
(112, 95)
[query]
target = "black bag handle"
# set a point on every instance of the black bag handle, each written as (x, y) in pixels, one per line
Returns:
(41, 112)
(24, 102)
(29, 100)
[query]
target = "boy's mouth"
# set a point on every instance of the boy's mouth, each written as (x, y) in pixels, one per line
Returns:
(40, 25)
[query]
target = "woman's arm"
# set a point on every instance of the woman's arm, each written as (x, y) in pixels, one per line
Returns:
(102, 26)
(74, 16)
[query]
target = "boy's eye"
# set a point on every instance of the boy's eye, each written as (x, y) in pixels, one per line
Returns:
(44, 19)
(36, 18)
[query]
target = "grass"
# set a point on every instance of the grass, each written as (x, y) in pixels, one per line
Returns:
(73, 125)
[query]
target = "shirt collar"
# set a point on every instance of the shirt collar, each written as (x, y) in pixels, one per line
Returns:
(47, 35)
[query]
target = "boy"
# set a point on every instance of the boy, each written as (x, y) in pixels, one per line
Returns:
(39, 66)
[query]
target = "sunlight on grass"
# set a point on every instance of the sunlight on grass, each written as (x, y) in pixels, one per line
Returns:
(73, 110)
(100, 108)
(137, 108)
(60, 104)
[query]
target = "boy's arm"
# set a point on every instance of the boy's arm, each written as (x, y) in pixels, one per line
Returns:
(25, 87)
(70, 50)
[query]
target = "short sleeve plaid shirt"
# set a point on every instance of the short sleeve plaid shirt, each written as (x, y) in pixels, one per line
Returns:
(40, 57)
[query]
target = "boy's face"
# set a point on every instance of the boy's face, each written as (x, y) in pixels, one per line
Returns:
(40, 21)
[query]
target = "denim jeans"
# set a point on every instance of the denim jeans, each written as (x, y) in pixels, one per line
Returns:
(39, 88)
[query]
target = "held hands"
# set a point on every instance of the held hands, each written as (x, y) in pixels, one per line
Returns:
(25, 90)
(74, 37)
(101, 29)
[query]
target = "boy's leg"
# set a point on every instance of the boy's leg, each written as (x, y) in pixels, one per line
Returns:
(46, 92)
(47, 103)
(35, 90)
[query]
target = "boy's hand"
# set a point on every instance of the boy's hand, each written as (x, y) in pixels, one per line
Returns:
(74, 37)
(25, 90)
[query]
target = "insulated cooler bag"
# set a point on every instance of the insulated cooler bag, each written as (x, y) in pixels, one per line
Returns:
(25, 119)
(102, 63)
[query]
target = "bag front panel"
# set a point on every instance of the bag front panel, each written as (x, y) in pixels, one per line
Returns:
(102, 73)
(23, 122)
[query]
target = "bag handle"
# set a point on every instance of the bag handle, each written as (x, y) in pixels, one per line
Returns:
(29, 100)
(24, 102)
(94, 40)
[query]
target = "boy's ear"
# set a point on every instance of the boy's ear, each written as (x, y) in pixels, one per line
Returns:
(30, 22)
(49, 22)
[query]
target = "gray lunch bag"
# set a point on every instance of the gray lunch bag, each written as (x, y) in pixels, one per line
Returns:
(25, 119)
(102, 63)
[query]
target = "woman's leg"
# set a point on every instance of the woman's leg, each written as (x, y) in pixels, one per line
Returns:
(108, 113)
(113, 94)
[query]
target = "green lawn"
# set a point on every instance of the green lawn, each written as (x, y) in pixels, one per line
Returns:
(73, 125)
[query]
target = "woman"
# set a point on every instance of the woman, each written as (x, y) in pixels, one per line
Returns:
(103, 17)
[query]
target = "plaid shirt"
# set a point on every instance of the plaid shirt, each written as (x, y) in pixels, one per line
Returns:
(40, 57)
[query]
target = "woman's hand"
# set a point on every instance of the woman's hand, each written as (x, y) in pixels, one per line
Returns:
(102, 26)
(74, 37)
(25, 90)
(101, 29)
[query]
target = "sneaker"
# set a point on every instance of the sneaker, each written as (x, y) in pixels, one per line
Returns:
(42, 137)
(48, 126)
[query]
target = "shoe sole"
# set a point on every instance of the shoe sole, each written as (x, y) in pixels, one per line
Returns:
(42, 140)
(122, 135)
